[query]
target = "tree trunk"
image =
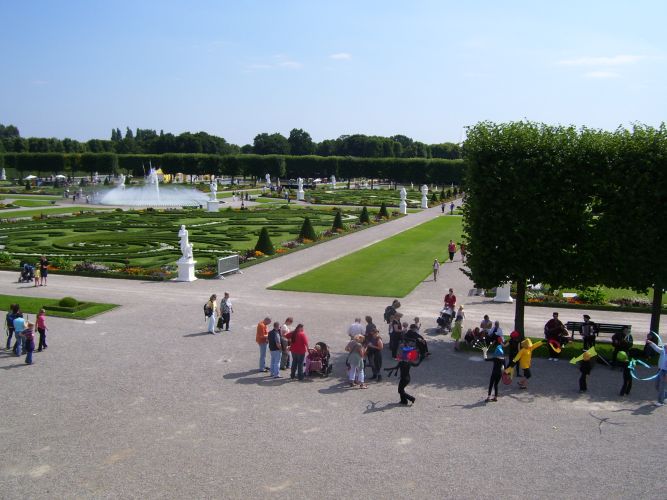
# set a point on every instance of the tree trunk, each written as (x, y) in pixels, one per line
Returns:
(655, 310)
(520, 302)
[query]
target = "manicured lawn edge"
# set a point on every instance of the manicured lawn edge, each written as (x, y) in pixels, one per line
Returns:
(593, 307)
(32, 305)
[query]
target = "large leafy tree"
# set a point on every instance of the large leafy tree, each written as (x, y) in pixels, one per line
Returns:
(300, 142)
(631, 213)
(527, 214)
(265, 144)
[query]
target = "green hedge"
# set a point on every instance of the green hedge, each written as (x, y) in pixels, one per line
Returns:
(417, 170)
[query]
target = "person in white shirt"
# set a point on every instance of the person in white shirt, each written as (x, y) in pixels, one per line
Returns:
(286, 358)
(356, 328)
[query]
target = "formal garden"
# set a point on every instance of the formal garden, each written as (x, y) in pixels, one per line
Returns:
(144, 243)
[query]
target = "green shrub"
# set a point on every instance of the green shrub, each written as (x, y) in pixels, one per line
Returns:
(442, 194)
(68, 302)
(434, 197)
(383, 211)
(364, 218)
(264, 243)
(5, 258)
(307, 230)
(592, 295)
(64, 263)
(338, 221)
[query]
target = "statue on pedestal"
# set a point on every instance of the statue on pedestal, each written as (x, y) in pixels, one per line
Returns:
(214, 189)
(333, 181)
(268, 179)
(186, 246)
(403, 206)
(424, 196)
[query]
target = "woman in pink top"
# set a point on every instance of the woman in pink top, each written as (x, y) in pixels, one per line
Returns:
(41, 328)
(299, 348)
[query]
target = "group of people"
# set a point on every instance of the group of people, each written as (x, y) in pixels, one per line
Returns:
(287, 347)
(23, 333)
(218, 317)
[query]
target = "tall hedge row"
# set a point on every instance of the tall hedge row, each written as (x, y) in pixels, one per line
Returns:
(417, 170)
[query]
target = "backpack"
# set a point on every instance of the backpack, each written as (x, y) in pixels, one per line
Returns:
(208, 310)
(388, 313)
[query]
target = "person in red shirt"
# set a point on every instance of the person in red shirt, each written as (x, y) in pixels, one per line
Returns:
(452, 249)
(299, 348)
(262, 339)
(450, 299)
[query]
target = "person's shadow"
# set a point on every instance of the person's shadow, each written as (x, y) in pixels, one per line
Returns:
(372, 407)
(199, 334)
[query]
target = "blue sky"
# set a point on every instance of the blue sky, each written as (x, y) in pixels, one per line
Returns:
(237, 68)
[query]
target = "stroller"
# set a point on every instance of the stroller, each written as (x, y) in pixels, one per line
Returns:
(27, 273)
(445, 320)
(318, 361)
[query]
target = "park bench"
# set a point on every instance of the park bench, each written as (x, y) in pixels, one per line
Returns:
(575, 327)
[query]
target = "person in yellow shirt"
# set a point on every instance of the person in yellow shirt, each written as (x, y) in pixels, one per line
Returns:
(524, 358)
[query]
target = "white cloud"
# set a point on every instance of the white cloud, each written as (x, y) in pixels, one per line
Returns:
(341, 56)
(290, 64)
(618, 60)
(601, 74)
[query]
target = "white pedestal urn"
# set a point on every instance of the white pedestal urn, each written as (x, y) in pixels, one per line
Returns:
(212, 206)
(503, 293)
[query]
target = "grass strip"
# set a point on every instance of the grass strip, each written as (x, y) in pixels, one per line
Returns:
(15, 214)
(32, 305)
(389, 268)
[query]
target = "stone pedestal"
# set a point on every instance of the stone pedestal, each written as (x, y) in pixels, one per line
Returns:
(403, 207)
(212, 206)
(503, 294)
(300, 195)
(424, 201)
(186, 270)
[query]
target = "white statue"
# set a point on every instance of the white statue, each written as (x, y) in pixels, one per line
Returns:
(299, 182)
(424, 198)
(403, 206)
(214, 189)
(121, 181)
(268, 179)
(3, 175)
(333, 181)
(300, 195)
(186, 246)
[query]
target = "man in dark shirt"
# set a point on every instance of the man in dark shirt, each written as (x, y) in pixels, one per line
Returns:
(275, 348)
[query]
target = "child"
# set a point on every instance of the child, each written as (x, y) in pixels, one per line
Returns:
(405, 362)
(38, 276)
(29, 338)
(41, 328)
(622, 358)
(498, 359)
(417, 323)
(458, 328)
(585, 369)
(513, 346)
(524, 357)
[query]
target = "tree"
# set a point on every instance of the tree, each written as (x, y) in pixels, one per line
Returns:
(300, 142)
(9, 131)
(265, 144)
(307, 231)
(363, 217)
(383, 211)
(631, 213)
(338, 222)
(264, 243)
(527, 212)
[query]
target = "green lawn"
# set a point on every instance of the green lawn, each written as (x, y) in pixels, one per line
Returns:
(32, 305)
(29, 197)
(47, 211)
(32, 203)
(390, 268)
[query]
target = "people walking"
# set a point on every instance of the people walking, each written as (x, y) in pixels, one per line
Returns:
(299, 348)
(262, 338)
(275, 348)
(41, 328)
(451, 248)
(211, 313)
(436, 269)
(226, 311)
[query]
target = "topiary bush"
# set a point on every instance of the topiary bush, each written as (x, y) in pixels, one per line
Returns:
(307, 231)
(338, 221)
(383, 211)
(68, 302)
(364, 217)
(264, 243)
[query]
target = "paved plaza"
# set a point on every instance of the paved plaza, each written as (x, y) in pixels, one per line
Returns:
(141, 403)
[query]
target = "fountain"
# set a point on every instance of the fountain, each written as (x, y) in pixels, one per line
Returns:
(150, 194)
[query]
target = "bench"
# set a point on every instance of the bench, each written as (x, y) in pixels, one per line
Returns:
(575, 327)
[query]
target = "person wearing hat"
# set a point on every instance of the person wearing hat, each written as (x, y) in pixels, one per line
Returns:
(553, 331)
(524, 358)
(585, 368)
(589, 331)
(624, 360)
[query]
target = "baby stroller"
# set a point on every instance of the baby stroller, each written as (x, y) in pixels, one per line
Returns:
(27, 273)
(445, 319)
(318, 360)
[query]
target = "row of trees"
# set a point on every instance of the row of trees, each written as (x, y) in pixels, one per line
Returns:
(299, 143)
(415, 170)
(567, 207)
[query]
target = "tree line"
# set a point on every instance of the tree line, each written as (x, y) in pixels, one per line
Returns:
(299, 143)
(566, 206)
